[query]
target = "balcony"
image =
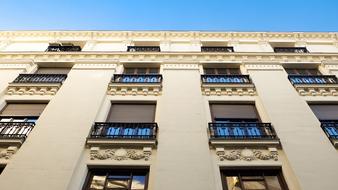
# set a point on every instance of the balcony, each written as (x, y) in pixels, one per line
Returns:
(15, 133)
(143, 49)
(331, 130)
(242, 133)
(314, 85)
(36, 84)
(123, 133)
(227, 85)
(226, 49)
(290, 50)
(63, 48)
(135, 84)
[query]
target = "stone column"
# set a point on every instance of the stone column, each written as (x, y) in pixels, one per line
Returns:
(310, 153)
(183, 157)
(50, 154)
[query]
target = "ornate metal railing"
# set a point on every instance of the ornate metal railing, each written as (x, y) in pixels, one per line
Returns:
(313, 79)
(290, 50)
(135, 78)
(242, 131)
(146, 131)
(226, 79)
(217, 49)
(40, 78)
(330, 127)
(15, 129)
(58, 48)
(144, 48)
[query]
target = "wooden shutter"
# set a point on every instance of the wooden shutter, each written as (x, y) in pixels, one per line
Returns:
(132, 113)
(233, 111)
(16, 109)
(53, 70)
(325, 112)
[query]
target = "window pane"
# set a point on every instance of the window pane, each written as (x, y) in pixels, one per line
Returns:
(138, 183)
(222, 71)
(141, 71)
(233, 183)
(209, 71)
(273, 183)
(121, 183)
(254, 185)
(153, 70)
(129, 71)
(97, 182)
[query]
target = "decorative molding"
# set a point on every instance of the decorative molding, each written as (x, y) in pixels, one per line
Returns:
(317, 90)
(331, 67)
(7, 153)
(273, 67)
(94, 66)
(165, 35)
(120, 154)
(172, 57)
(32, 89)
(14, 66)
(134, 89)
(228, 90)
(247, 154)
(181, 66)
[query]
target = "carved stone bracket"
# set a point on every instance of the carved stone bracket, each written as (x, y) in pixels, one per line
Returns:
(134, 89)
(317, 90)
(7, 153)
(228, 90)
(120, 154)
(32, 89)
(247, 154)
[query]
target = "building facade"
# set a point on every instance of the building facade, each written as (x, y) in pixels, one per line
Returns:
(165, 110)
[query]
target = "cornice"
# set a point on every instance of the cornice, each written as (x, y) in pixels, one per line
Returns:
(167, 35)
(175, 57)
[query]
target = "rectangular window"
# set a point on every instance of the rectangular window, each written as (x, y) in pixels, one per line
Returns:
(117, 179)
(23, 109)
(253, 179)
(222, 71)
(53, 70)
(132, 113)
(1, 169)
(325, 111)
(141, 71)
(234, 113)
(312, 72)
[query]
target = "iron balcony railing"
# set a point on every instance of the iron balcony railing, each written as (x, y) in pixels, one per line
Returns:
(313, 79)
(40, 78)
(136, 78)
(104, 130)
(144, 48)
(330, 127)
(290, 50)
(217, 49)
(242, 131)
(226, 79)
(15, 130)
(59, 48)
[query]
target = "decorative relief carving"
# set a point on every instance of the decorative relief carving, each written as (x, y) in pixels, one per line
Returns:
(228, 90)
(247, 154)
(32, 89)
(120, 154)
(7, 153)
(94, 66)
(134, 89)
(181, 66)
(263, 66)
(317, 90)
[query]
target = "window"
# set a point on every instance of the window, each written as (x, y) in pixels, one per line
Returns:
(1, 168)
(22, 112)
(253, 179)
(56, 47)
(53, 70)
(222, 71)
(132, 113)
(136, 71)
(117, 179)
(311, 72)
(325, 111)
(234, 113)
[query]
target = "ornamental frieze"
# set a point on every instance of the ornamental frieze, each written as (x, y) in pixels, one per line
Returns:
(120, 154)
(247, 154)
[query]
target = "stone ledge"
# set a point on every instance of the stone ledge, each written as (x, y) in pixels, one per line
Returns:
(245, 143)
(121, 142)
(33, 88)
(228, 89)
(317, 89)
(134, 89)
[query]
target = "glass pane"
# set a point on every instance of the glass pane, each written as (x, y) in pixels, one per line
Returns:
(209, 71)
(254, 185)
(97, 182)
(273, 183)
(233, 183)
(222, 71)
(129, 71)
(138, 183)
(153, 70)
(141, 71)
(117, 184)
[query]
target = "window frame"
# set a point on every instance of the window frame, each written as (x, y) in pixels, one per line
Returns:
(136, 70)
(213, 118)
(92, 169)
(216, 71)
(273, 169)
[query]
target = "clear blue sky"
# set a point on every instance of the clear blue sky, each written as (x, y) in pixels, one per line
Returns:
(227, 15)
